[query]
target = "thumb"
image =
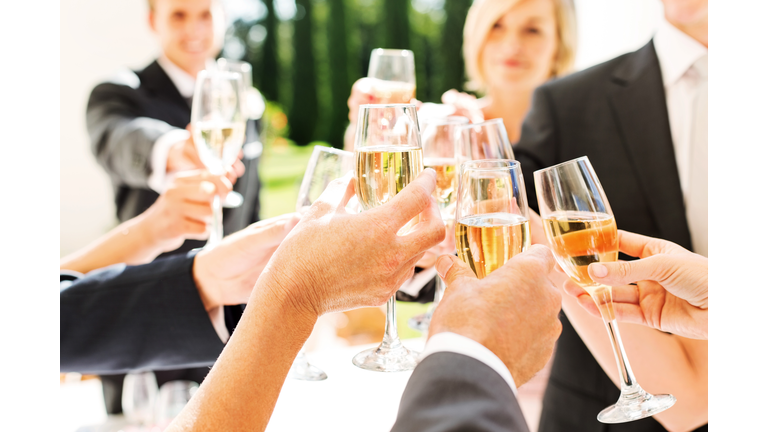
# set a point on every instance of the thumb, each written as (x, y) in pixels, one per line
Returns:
(453, 270)
(626, 272)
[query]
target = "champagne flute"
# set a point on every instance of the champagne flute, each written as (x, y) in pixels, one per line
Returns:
(581, 230)
(492, 222)
(388, 156)
(437, 139)
(171, 400)
(218, 129)
(138, 398)
(486, 140)
(394, 75)
(253, 108)
(325, 165)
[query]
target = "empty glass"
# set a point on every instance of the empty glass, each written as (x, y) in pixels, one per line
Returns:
(171, 399)
(138, 399)
(486, 140)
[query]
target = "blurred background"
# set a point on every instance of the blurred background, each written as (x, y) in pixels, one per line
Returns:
(305, 55)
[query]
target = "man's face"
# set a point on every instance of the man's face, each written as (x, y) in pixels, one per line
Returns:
(686, 12)
(189, 31)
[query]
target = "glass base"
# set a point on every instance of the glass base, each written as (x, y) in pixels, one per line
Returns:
(384, 359)
(233, 200)
(303, 370)
(635, 406)
(421, 322)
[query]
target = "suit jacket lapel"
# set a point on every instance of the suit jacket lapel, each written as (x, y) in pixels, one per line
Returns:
(156, 80)
(638, 99)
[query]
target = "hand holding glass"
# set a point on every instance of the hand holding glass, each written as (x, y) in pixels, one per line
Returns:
(581, 230)
(388, 156)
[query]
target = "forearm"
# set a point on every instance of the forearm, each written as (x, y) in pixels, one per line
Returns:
(129, 243)
(662, 363)
(241, 390)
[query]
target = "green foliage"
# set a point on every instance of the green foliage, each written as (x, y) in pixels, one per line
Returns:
(308, 63)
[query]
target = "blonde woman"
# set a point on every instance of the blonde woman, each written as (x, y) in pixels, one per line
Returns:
(510, 48)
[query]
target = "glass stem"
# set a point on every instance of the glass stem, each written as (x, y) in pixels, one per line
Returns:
(217, 226)
(604, 300)
(391, 339)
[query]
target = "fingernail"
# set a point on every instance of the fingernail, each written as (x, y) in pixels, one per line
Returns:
(598, 270)
(431, 172)
(208, 187)
(442, 265)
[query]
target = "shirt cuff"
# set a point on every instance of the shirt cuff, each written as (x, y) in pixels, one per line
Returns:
(455, 343)
(159, 159)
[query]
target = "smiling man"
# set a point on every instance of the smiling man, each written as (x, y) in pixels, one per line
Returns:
(137, 122)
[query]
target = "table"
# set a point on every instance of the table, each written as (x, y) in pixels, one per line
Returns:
(351, 399)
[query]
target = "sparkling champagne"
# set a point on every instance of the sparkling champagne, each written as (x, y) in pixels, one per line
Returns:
(383, 171)
(222, 142)
(445, 191)
(487, 241)
(393, 92)
(579, 239)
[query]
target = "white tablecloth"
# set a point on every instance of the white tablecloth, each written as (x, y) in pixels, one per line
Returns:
(351, 399)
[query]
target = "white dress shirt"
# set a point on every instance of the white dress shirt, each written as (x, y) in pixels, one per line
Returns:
(185, 84)
(455, 343)
(677, 53)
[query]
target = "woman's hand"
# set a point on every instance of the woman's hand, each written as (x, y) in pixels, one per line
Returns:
(671, 293)
(466, 105)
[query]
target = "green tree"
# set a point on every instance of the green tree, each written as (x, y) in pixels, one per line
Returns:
(339, 67)
(268, 75)
(453, 76)
(397, 28)
(302, 116)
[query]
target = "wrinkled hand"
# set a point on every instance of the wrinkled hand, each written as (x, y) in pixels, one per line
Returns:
(334, 260)
(184, 211)
(671, 292)
(226, 274)
(513, 311)
(466, 105)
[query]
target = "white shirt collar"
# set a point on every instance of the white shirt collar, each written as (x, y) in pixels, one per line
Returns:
(184, 82)
(676, 51)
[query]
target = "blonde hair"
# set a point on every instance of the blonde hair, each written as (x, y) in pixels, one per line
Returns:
(485, 13)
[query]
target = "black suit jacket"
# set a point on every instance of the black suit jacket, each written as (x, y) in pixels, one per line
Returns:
(615, 113)
(149, 317)
(454, 392)
(125, 117)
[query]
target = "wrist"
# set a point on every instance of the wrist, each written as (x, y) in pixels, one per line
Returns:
(205, 282)
(288, 292)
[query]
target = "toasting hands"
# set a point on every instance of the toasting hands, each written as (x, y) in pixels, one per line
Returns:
(513, 311)
(672, 286)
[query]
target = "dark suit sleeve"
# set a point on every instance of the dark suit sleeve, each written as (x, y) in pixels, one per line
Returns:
(454, 392)
(124, 318)
(121, 139)
(538, 145)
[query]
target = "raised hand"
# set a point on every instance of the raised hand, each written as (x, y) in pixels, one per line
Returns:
(671, 291)
(513, 311)
(334, 260)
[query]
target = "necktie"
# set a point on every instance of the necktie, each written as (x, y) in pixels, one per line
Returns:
(696, 205)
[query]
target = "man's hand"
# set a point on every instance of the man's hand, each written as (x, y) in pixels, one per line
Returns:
(334, 260)
(465, 104)
(226, 274)
(671, 294)
(183, 211)
(513, 311)
(183, 156)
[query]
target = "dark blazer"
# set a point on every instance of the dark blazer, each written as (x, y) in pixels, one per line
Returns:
(125, 116)
(454, 392)
(148, 317)
(615, 113)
